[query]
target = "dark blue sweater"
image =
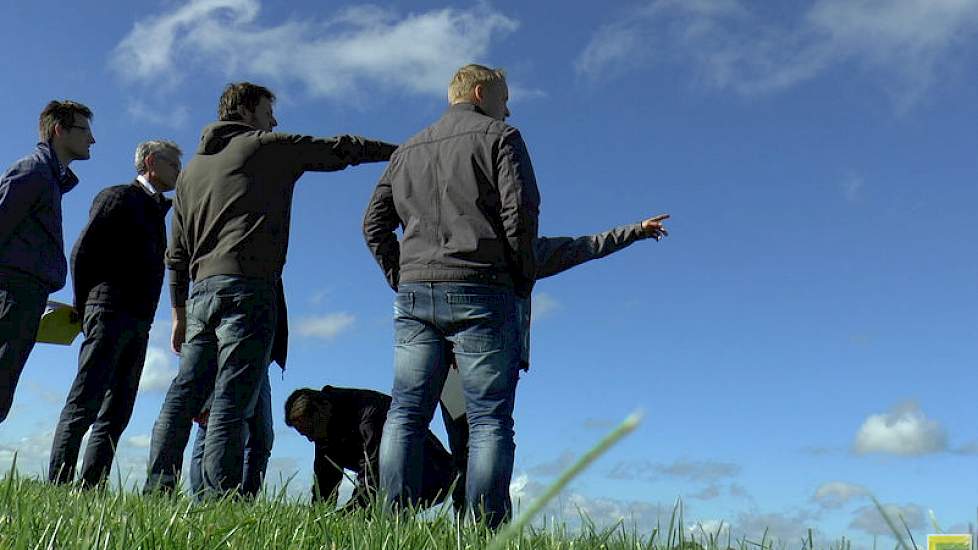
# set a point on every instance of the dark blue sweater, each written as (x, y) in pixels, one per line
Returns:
(118, 258)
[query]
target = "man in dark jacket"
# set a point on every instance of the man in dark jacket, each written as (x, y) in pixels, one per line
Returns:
(32, 258)
(230, 236)
(346, 425)
(117, 270)
(464, 192)
(553, 255)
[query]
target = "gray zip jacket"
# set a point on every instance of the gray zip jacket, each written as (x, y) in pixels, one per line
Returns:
(464, 193)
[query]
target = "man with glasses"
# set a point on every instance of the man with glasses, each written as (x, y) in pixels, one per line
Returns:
(118, 299)
(32, 258)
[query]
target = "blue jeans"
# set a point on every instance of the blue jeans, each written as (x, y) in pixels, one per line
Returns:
(230, 330)
(258, 447)
(479, 323)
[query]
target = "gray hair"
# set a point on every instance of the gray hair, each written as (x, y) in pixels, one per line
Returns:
(154, 147)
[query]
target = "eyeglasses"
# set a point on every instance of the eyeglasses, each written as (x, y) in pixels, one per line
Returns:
(86, 128)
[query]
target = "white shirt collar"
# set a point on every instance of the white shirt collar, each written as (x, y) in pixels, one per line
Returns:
(147, 186)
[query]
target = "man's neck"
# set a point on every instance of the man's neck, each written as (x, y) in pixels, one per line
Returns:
(61, 154)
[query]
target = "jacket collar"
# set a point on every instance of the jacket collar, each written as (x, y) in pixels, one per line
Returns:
(466, 107)
(66, 179)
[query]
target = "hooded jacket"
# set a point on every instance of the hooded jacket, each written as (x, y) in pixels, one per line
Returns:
(233, 203)
(31, 235)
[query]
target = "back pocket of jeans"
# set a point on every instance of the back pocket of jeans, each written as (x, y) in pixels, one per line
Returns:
(481, 319)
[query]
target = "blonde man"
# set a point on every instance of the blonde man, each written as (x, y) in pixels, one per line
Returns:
(465, 194)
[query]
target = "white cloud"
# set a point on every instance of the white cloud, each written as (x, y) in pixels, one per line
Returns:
(140, 441)
(158, 370)
(904, 430)
(32, 453)
(170, 116)
(692, 470)
(543, 305)
(571, 507)
(365, 45)
(836, 494)
(729, 46)
(708, 528)
(869, 519)
(324, 327)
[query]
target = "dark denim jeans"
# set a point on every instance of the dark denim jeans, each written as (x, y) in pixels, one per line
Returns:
(480, 324)
(230, 329)
(258, 447)
(22, 302)
(110, 363)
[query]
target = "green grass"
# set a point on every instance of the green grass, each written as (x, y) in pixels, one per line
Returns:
(36, 515)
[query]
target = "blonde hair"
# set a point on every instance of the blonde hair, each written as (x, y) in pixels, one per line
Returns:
(468, 77)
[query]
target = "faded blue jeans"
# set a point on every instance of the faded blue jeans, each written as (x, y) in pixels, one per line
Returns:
(258, 447)
(479, 323)
(230, 329)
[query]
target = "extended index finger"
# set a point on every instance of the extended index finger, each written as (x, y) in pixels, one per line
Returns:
(659, 218)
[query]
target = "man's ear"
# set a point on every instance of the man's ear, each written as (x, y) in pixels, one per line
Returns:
(479, 93)
(59, 130)
(244, 114)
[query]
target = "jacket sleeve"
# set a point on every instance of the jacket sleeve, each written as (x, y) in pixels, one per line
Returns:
(327, 475)
(178, 258)
(557, 254)
(379, 223)
(89, 256)
(318, 154)
(20, 189)
(520, 208)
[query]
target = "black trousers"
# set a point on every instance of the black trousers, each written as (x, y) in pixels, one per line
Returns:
(102, 396)
(22, 302)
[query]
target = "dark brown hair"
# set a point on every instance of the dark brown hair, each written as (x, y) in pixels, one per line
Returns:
(241, 94)
(60, 113)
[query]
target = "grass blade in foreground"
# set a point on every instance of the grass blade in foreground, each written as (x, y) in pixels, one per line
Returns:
(891, 524)
(513, 529)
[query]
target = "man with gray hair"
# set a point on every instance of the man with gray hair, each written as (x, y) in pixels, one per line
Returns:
(117, 297)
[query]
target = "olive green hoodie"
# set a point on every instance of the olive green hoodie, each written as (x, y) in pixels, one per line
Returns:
(233, 201)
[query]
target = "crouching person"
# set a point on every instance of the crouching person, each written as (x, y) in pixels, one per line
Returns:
(346, 425)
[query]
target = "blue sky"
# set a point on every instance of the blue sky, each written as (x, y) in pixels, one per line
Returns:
(806, 336)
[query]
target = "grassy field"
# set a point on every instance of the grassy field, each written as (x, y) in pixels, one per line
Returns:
(36, 515)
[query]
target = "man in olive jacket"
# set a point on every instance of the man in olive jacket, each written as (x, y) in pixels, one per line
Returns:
(230, 235)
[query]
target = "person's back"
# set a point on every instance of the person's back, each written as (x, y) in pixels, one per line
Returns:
(465, 195)
(230, 237)
(448, 190)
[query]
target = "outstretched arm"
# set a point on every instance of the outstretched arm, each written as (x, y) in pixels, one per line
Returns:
(320, 154)
(557, 254)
